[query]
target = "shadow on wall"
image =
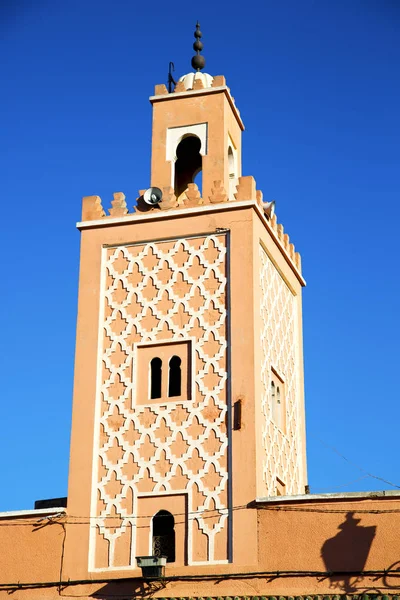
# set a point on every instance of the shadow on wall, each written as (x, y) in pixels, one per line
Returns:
(347, 552)
(131, 588)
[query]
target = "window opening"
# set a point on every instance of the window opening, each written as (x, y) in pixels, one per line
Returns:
(237, 414)
(188, 163)
(273, 400)
(155, 378)
(278, 407)
(280, 487)
(231, 163)
(232, 173)
(164, 535)
(278, 401)
(175, 377)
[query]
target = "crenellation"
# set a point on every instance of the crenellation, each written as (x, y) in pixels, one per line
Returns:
(198, 84)
(92, 208)
(119, 208)
(192, 196)
(169, 199)
(160, 89)
(218, 193)
(246, 190)
(180, 87)
(218, 81)
(286, 241)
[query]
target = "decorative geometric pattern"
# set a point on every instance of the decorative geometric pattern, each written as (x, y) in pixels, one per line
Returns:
(283, 451)
(157, 292)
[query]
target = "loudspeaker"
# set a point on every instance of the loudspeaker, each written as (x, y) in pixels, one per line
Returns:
(152, 196)
(269, 209)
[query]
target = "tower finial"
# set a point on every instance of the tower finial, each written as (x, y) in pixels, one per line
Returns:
(198, 61)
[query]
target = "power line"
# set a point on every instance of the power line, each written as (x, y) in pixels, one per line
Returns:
(91, 520)
(336, 451)
(342, 485)
(204, 577)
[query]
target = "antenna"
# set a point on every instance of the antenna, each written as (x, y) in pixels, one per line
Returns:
(171, 80)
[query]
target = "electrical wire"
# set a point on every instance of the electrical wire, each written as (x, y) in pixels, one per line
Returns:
(336, 451)
(90, 520)
(61, 584)
(204, 577)
(342, 485)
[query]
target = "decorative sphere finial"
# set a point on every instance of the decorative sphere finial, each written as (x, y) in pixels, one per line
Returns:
(198, 61)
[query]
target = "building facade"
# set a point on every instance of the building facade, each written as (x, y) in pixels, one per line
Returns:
(188, 430)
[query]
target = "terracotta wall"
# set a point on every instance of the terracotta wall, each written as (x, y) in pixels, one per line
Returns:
(337, 535)
(30, 551)
(299, 545)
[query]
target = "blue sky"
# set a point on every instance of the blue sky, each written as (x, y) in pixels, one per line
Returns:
(318, 88)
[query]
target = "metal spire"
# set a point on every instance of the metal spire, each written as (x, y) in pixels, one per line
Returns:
(198, 61)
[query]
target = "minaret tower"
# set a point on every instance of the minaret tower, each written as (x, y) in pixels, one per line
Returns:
(188, 396)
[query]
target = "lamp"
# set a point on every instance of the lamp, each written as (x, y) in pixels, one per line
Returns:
(152, 566)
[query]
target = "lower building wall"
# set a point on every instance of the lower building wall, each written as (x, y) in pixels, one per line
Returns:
(31, 548)
(329, 546)
(308, 548)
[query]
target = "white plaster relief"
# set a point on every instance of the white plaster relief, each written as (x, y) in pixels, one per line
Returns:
(176, 134)
(278, 339)
(133, 315)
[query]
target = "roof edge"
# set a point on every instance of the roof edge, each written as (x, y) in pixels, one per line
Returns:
(330, 496)
(11, 514)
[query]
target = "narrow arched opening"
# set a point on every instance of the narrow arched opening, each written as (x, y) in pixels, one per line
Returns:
(278, 407)
(164, 535)
(188, 163)
(232, 173)
(175, 377)
(155, 378)
(273, 400)
(231, 163)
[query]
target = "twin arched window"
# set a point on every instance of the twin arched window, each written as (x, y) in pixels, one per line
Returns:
(174, 377)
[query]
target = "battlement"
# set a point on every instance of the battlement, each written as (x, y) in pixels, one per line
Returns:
(193, 81)
(92, 208)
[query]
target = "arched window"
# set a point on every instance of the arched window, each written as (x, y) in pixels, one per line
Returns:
(175, 377)
(231, 163)
(232, 173)
(278, 407)
(274, 402)
(188, 163)
(164, 535)
(278, 400)
(155, 378)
